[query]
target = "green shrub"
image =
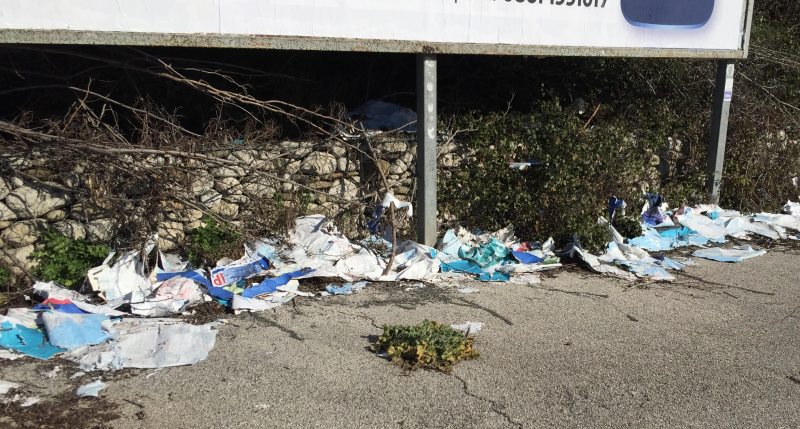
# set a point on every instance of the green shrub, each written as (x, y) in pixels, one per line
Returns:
(427, 345)
(628, 227)
(562, 197)
(5, 276)
(66, 261)
(212, 241)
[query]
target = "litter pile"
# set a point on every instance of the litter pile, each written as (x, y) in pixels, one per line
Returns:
(688, 226)
(126, 314)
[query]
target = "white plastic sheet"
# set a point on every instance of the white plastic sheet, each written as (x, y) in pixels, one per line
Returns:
(388, 199)
(48, 290)
(702, 224)
(92, 389)
(315, 238)
(159, 308)
(125, 279)
(149, 343)
(737, 254)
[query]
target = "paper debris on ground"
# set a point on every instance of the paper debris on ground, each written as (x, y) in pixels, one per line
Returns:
(737, 254)
(5, 386)
(149, 343)
(468, 327)
(92, 389)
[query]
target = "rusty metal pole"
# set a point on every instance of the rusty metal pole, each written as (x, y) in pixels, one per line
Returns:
(426, 149)
(723, 93)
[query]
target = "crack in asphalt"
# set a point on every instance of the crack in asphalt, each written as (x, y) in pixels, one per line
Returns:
(272, 324)
(468, 303)
(494, 405)
(360, 316)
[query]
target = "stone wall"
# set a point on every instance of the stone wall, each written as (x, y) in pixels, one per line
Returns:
(44, 196)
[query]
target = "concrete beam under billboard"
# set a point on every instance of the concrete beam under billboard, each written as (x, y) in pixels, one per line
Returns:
(245, 41)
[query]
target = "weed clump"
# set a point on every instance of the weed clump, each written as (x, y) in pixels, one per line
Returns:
(66, 261)
(427, 345)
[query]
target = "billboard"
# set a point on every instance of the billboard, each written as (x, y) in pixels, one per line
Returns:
(706, 25)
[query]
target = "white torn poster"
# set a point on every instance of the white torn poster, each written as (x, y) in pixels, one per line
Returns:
(737, 254)
(149, 343)
(159, 307)
(319, 239)
(125, 279)
(53, 290)
(180, 288)
(253, 304)
(702, 224)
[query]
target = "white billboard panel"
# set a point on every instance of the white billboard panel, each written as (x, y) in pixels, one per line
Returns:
(659, 24)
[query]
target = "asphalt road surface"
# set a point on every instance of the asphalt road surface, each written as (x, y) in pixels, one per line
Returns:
(717, 348)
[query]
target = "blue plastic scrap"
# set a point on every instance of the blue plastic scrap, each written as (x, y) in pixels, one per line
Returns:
(495, 277)
(232, 273)
(338, 290)
(462, 266)
(374, 221)
(654, 240)
(271, 285)
(473, 268)
(613, 205)
(527, 258)
(70, 331)
(32, 342)
(451, 244)
(64, 307)
(197, 275)
(346, 288)
(653, 215)
(486, 255)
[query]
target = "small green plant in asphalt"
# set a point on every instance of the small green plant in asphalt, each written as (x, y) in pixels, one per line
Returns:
(427, 345)
(211, 241)
(66, 261)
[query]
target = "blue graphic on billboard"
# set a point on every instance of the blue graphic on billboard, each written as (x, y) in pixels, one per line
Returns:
(668, 14)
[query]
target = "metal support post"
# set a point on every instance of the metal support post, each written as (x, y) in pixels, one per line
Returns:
(723, 92)
(426, 149)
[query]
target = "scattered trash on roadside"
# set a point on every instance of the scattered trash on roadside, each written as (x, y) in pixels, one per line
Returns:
(92, 389)
(99, 334)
